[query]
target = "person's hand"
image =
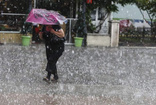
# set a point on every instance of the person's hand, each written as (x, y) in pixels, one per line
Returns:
(59, 33)
(52, 31)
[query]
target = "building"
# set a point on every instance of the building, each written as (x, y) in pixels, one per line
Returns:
(14, 12)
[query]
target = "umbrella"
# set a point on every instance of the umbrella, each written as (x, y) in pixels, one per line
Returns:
(45, 17)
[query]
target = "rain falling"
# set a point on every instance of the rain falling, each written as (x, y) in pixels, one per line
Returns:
(106, 70)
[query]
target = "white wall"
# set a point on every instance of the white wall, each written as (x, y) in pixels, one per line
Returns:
(105, 27)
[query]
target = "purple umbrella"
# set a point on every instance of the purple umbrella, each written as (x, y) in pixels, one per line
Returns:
(45, 17)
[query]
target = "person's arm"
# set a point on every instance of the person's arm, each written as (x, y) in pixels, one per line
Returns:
(59, 33)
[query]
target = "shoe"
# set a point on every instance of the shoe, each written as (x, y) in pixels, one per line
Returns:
(55, 77)
(46, 79)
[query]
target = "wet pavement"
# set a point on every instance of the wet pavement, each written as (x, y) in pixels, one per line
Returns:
(87, 76)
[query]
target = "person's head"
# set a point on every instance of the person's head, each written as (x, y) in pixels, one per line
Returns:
(48, 27)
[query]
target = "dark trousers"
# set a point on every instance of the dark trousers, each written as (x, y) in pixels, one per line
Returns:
(53, 53)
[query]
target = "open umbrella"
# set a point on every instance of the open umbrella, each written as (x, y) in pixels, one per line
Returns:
(45, 17)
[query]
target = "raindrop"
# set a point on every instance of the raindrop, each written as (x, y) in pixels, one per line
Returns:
(152, 71)
(42, 101)
(47, 47)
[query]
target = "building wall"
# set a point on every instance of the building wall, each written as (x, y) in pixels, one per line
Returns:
(96, 18)
(94, 39)
(14, 38)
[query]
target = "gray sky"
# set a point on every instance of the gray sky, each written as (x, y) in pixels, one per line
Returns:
(129, 12)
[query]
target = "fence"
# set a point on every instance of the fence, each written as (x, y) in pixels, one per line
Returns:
(134, 36)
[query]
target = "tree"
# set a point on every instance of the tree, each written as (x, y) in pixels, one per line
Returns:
(150, 7)
(84, 15)
(108, 5)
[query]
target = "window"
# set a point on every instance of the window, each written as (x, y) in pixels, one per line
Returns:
(93, 15)
(12, 14)
(98, 14)
(101, 13)
(10, 22)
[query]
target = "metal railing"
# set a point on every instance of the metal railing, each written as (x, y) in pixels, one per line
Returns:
(137, 35)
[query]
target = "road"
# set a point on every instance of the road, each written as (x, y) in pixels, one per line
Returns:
(87, 76)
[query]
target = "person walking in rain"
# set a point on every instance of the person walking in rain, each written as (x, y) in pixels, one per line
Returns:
(53, 35)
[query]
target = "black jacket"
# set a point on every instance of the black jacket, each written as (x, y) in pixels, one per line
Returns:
(50, 38)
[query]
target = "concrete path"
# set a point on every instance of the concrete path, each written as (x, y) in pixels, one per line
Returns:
(88, 76)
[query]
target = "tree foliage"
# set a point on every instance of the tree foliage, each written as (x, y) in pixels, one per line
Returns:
(108, 5)
(149, 6)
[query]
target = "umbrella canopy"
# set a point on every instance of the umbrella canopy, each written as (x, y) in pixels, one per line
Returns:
(45, 17)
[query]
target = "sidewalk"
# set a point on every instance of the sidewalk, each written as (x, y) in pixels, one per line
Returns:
(88, 76)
